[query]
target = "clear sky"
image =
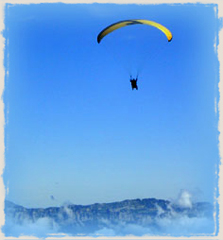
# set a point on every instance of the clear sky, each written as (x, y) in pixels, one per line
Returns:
(75, 131)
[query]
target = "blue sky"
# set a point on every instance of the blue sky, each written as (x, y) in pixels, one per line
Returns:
(74, 128)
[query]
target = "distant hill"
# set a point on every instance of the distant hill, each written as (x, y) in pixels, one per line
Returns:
(85, 219)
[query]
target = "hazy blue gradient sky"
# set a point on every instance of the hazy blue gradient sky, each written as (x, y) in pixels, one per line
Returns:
(75, 131)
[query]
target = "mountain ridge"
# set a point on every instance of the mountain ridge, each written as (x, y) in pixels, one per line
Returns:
(85, 219)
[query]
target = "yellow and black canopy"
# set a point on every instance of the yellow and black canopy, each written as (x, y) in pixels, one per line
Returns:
(121, 24)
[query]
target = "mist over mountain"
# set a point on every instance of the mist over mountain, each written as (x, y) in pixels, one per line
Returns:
(129, 217)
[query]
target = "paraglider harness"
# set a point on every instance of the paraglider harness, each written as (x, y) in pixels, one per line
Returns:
(134, 82)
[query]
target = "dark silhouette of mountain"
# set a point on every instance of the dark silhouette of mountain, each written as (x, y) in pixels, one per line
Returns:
(84, 219)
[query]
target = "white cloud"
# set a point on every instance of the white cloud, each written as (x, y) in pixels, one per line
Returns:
(185, 199)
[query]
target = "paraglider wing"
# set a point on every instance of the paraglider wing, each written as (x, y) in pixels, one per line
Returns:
(121, 24)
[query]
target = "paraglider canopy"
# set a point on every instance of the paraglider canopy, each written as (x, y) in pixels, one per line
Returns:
(127, 49)
(121, 24)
